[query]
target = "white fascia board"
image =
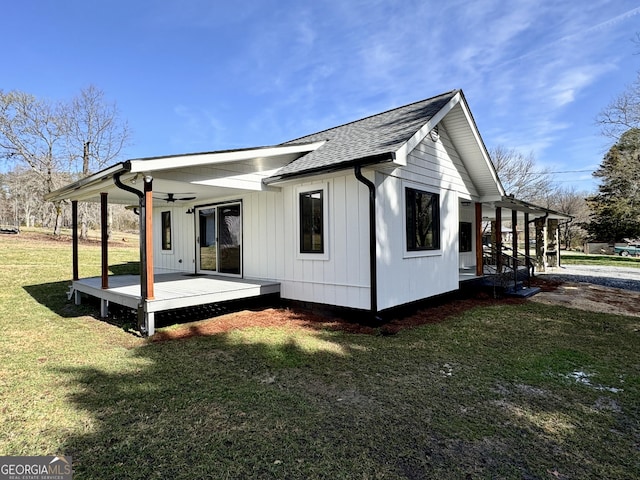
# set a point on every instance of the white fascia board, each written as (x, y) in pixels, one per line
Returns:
(70, 191)
(490, 198)
(481, 147)
(409, 145)
(150, 165)
(244, 181)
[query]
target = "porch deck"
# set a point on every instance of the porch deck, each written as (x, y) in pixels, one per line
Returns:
(467, 273)
(173, 290)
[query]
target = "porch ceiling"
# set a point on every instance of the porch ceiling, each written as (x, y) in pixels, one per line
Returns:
(205, 176)
(509, 204)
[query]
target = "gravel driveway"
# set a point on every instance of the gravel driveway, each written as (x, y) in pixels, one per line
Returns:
(617, 277)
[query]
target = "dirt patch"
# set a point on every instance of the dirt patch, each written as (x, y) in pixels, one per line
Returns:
(592, 298)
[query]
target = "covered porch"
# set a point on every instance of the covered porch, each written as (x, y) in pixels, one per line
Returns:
(172, 291)
(193, 181)
(530, 243)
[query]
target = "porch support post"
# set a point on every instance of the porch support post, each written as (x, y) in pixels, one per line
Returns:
(104, 240)
(541, 243)
(514, 234)
(553, 243)
(150, 322)
(74, 237)
(148, 240)
(479, 256)
(527, 238)
(498, 239)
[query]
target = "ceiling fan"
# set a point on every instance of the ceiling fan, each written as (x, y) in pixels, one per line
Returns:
(171, 197)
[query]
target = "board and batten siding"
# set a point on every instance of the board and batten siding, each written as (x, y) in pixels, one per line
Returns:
(341, 276)
(271, 236)
(270, 242)
(181, 257)
(403, 276)
(467, 214)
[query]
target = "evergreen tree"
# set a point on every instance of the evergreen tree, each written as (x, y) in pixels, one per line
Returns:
(616, 207)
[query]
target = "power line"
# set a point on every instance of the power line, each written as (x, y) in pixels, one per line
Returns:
(558, 171)
(572, 171)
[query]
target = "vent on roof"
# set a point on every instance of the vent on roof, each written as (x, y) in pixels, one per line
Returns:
(434, 134)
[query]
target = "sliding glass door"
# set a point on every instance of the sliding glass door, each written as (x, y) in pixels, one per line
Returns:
(219, 239)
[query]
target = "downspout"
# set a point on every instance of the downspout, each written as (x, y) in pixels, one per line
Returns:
(357, 170)
(143, 233)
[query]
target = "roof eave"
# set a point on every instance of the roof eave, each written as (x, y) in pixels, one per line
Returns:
(154, 164)
(362, 162)
(417, 137)
(67, 191)
(528, 207)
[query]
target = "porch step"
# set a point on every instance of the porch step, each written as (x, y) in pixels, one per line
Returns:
(518, 290)
(522, 292)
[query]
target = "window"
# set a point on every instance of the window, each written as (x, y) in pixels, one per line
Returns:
(311, 222)
(166, 230)
(423, 220)
(465, 237)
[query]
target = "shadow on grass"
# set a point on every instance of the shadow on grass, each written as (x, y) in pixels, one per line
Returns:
(53, 295)
(128, 268)
(273, 403)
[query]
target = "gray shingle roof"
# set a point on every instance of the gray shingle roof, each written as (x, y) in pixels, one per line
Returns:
(372, 137)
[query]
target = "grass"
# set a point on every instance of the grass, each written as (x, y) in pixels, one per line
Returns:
(571, 258)
(507, 391)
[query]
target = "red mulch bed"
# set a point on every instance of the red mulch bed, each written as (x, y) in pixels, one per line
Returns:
(301, 319)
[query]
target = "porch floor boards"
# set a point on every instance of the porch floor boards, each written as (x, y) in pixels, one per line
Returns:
(175, 290)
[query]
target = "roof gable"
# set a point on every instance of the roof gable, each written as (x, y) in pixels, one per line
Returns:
(373, 138)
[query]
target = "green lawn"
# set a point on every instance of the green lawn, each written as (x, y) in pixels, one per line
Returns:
(572, 258)
(507, 391)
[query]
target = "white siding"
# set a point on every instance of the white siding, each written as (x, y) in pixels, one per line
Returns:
(181, 256)
(341, 277)
(271, 243)
(467, 214)
(404, 277)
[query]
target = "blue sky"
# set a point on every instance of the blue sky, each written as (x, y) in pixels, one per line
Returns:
(198, 75)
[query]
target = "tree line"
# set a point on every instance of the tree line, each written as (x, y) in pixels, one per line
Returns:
(615, 207)
(47, 144)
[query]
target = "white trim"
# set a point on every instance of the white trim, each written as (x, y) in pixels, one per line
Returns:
(184, 161)
(171, 231)
(403, 152)
(324, 187)
(483, 150)
(423, 188)
(217, 207)
(243, 181)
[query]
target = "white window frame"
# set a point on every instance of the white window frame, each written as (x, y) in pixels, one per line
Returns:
(171, 229)
(324, 187)
(423, 188)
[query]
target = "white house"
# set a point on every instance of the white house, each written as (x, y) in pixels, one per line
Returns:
(370, 215)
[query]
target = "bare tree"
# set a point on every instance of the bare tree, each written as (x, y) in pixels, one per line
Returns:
(75, 138)
(520, 176)
(25, 194)
(96, 134)
(623, 113)
(32, 133)
(574, 203)
(96, 137)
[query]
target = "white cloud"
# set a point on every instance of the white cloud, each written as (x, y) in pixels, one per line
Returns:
(199, 130)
